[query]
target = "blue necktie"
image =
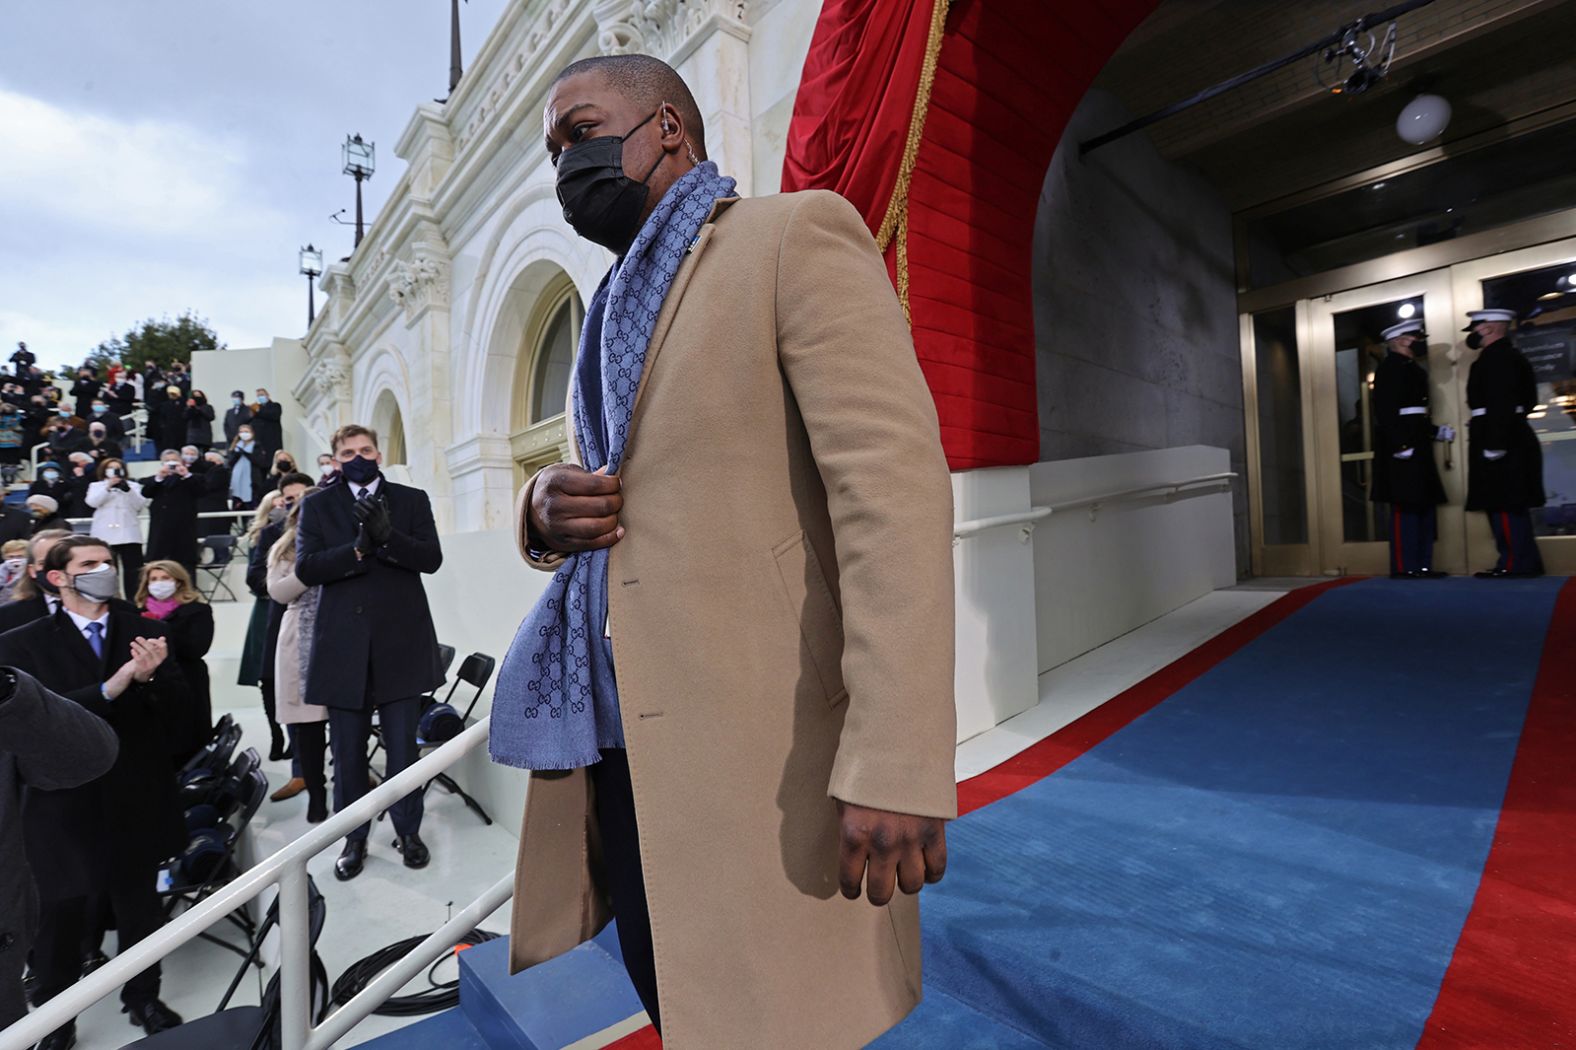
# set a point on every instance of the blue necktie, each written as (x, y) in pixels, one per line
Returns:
(96, 639)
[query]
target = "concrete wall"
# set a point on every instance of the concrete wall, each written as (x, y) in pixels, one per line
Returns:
(1099, 574)
(276, 369)
(1134, 305)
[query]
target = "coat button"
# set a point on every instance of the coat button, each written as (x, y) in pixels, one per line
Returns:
(358, 610)
(6, 941)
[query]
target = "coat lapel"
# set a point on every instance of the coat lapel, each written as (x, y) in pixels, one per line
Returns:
(670, 306)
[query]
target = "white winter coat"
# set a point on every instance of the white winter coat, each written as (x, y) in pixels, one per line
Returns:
(115, 512)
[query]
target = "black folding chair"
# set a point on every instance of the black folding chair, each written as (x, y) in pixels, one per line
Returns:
(217, 555)
(208, 862)
(217, 751)
(252, 1027)
(476, 671)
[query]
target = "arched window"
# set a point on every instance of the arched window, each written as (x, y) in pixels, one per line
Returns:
(555, 359)
(547, 361)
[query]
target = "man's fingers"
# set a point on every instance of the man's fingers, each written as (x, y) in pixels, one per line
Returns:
(851, 867)
(581, 530)
(559, 507)
(881, 876)
(577, 481)
(911, 870)
(935, 852)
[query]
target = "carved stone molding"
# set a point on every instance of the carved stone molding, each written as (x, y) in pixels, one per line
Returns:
(618, 27)
(419, 284)
(667, 25)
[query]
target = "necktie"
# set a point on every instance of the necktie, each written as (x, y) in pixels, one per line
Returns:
(96, 639)
(361, 493)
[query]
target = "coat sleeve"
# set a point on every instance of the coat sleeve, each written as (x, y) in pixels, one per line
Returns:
(316, 562)
(58, 744)
(845, 350)
(257, 566)
(195, 636)
(98, 494)
(418, 550)
(284, 586)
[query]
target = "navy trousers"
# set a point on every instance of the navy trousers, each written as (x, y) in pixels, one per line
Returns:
(1412, 534)
(615, 817)
(1513, 537)
(349, 733)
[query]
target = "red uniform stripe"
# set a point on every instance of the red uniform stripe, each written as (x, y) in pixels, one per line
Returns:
(1510, 546)
(1512, 978)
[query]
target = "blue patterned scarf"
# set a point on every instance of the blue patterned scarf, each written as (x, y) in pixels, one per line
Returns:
(556, 703)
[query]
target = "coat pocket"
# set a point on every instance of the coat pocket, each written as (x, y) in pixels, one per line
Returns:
(820, 620)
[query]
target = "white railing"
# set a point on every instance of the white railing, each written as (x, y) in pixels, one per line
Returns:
(287, 868)
(1168, 491)
(134, 436)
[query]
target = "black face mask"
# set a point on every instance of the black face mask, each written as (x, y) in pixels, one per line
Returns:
(1475, 340)
(600, 201)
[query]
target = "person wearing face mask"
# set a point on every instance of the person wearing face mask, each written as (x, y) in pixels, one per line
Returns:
(1505, 461)
(239, 412)
(122, 397)
(1404, 473)
(51, 481)
(105, 840)
(199, 421)
(66, 434)
(267, 420)
(85, 389)
(366, 543)
(104, 416)
(783, 353)
(284, 463)
(291, 643)
(101, 445)
(164, 592)
(34, 596)
(247, 463)
(117, 504)
(174, 491)
(167, 418)
(327, 469)
(46, 514)
(209, 466)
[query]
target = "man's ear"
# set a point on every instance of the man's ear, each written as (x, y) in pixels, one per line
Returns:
(63, 580)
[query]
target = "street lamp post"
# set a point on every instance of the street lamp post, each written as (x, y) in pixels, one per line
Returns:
(312, 267)
(359, 165)
(454, 45)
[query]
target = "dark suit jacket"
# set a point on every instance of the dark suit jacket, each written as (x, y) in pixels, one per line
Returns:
(46, 744)
(375, 640)
(14, 614)
(268, 425)
(15, 524)
(84, 839)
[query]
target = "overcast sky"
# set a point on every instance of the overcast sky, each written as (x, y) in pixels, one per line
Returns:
(157, 155)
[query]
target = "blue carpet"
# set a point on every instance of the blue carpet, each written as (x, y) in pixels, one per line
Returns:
(1280, 855)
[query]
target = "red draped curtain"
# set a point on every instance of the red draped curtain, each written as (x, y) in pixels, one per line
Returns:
(938, 122)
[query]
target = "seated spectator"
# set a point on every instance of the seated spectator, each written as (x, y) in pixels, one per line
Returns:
(117, 504)
(165, 592)
(13, 567)
(51, 481)
(66, 434)
(46, 514)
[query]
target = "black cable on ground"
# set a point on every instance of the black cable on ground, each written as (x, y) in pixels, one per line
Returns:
(440, 996)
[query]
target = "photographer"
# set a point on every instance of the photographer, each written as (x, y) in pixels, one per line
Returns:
(85, 389)
(117, 502)
(174, 492)
(199, 421)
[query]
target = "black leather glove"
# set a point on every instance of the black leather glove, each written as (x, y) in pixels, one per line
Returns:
(374, 519)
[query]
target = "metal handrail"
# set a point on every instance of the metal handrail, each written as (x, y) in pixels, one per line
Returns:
(287, 868)
(1169, 489)
(135, 434)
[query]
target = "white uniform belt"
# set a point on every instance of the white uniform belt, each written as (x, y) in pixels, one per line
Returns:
(1483, 411)
(1415, 410)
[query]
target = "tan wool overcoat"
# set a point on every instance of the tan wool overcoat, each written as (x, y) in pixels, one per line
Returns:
(781, 610)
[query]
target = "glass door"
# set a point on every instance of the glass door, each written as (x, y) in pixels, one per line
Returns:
(1540, 285)
(1346, 345)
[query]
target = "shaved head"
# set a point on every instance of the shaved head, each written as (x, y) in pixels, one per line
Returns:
(647, 83)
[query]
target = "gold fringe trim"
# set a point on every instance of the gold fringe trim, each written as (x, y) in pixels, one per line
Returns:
(895, 222)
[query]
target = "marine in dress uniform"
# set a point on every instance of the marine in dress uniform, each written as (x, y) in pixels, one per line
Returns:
(1505, 471)
(1405, 475)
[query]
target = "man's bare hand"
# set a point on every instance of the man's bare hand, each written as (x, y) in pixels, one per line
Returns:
(881, 849)
(146, 656)
(574, 509)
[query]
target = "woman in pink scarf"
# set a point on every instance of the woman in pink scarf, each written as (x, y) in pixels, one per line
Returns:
(165, 593)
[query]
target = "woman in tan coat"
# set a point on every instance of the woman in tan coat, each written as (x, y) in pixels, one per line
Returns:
(295, 640)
